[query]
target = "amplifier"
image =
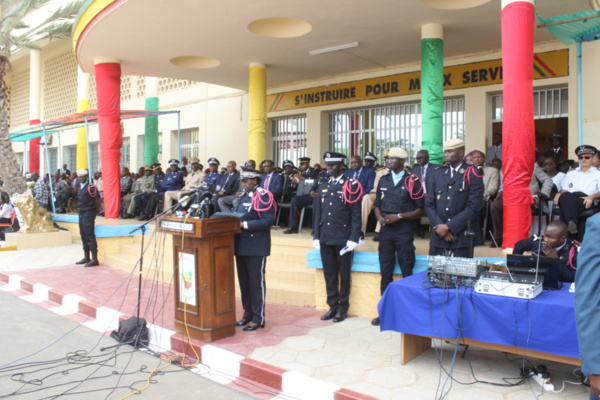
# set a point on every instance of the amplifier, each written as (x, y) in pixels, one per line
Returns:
(502, 284)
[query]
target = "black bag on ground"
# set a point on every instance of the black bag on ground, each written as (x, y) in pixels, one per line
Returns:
(132, 332)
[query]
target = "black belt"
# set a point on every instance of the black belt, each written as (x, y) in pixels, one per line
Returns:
(85, 209)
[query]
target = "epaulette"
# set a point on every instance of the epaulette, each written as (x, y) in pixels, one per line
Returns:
(260, 190)
(412, 175)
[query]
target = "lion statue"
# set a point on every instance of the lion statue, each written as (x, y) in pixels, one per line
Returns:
(35, 217)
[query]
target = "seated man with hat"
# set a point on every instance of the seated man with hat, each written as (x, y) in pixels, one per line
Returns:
(580, 188)
(141, 185)
(290, 181)
(191, 180)
(213, 177)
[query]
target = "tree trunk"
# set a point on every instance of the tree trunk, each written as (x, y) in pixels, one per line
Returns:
(9, 166)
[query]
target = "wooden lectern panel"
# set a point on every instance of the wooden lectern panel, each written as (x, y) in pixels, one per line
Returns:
(204, 275)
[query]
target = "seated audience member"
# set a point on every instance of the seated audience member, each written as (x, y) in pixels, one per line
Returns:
(491, 178)
(298, 202)
(143, 184)
(250, 164)
(6, 209)
(173, 181)
(370, 160)
(497, 163)
(192, 180)
(270, 180)
(554, 243)
(290, 181)
(556, 151)
(540, 187)
(553, 173)
(362, 173)
(580, 188)
(565, 165)
(213, 177)
(62, 193)
(228, 190)
(495, 150)
(596, 160)
(41, 189)
(143, 200)
(469, 157)
(368, 200)
(126, 181)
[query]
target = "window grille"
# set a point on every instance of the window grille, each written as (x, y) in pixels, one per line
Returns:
(125, 152)
(289, 139)
(354, 132)
(547, 103)
(70, 157)
(190, 143)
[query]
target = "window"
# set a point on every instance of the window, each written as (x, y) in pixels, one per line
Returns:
(190, 143)
(289, 139)
(547, 103)
(354, 132)
(70, 157)
(94, 157)
(125, 152)
(53, 156)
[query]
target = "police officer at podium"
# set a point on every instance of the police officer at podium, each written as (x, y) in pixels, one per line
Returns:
(252, 246)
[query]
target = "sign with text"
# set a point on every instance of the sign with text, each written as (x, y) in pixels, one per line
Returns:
(545, 65)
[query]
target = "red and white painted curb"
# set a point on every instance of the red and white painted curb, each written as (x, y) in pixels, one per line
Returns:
(223, 366)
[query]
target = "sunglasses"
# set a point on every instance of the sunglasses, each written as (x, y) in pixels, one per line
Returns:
(584, 157)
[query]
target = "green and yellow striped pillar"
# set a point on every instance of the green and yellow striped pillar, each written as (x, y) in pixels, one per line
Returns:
(432, 90)
(257, 112)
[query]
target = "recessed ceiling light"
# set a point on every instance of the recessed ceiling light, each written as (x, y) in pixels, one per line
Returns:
(333, 48)
(197, 62)
(280, 27)
(453, 4)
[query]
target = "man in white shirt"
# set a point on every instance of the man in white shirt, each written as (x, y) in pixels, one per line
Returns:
(580, 188)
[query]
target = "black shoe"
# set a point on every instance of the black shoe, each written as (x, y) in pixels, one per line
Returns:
(376, 322)
(376, 238)
(142, 218)
(127, 216)
(251, 328)
(339, 317)
(329, 314)
(290, 230)
(93, 263)
(242, 322)
(84, 260)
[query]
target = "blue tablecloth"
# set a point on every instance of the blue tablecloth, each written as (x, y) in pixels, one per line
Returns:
(545, 324)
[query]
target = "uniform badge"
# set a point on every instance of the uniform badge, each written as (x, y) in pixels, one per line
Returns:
(439, 196)
(382, 195)
(570, 185)
(461, 171)
(324, 190)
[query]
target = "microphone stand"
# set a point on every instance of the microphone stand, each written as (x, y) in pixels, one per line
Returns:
(136, 341)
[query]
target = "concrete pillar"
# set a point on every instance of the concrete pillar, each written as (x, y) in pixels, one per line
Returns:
(35, 93)
(257, 112)
(432, 90)
(151, 123)
(83, 104)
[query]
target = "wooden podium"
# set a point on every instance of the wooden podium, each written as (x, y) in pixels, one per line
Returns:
(204, 277)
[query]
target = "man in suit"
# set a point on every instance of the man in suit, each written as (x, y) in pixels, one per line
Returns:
(271, 180)
(424, 169)
(495, 151)
(337, 232)
(362, 173)
(587, 304)
(556, 151)
(491, 177)
(307, 174)
(227, 188)
(252, 246)
(453, 203)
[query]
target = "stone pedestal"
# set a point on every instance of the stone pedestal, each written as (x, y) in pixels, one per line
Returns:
(38, 240)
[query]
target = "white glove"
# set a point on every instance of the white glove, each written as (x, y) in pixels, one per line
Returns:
(316, 244)
(350, 246)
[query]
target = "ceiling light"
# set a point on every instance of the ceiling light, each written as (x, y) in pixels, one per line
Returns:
(334, 48)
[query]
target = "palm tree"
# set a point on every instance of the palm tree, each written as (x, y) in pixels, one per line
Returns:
(15, 34)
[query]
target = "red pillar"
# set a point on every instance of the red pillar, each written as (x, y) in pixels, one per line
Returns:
(108, 94)
(518, 129)
(34, 151)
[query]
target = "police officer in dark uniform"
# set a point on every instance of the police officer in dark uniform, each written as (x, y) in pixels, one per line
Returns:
(87, 194)
(252, 246)
(554, 243)
(213, 177)
(306, 172)
(290, 181)
(453, 202)
(337, 215)
(399, 201)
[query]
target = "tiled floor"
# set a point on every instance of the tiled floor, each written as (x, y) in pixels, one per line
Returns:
(352, 354)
